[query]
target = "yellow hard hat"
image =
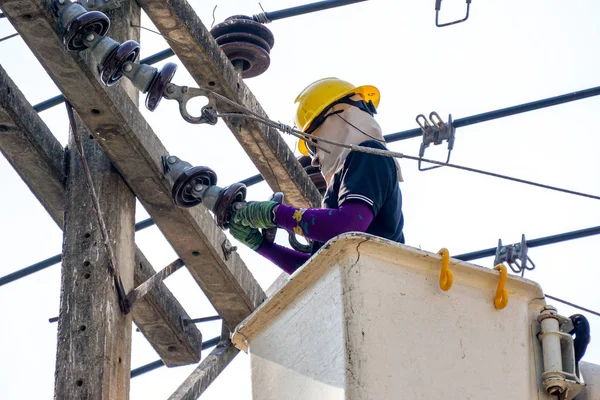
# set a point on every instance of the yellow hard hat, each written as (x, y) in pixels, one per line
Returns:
(317, 96)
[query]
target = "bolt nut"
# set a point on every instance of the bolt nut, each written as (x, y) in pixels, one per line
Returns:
(128, 67)
(170, 89)
(90, 37)
(61, 1)
(171, 159)
(198, 187)
(555, 390)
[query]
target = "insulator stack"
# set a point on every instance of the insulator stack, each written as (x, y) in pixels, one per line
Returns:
(246, 43)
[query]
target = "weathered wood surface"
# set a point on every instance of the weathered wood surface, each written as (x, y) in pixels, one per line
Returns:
(31, 149)
(94, 337)
(37, 157)
(206, 372)
(159, 317)
(210, 68)
(125, 136)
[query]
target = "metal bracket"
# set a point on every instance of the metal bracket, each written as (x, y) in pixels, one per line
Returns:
(100, 5)
(515, 255)
(183, 94)
(435, 131)
(438, 6)
(559, 376)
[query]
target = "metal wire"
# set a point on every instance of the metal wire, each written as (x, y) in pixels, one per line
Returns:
(503, 112)
(159, 363)
(543, 241)
(112, 260)
(306, 137)
(32, 269)
(596, 313)
(266, 17)
(8, 37)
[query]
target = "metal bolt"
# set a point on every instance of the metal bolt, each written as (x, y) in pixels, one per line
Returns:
(549, 308)
(171, 159)
(90, 36)
(61, 1)
(170, 89)
(227, 248)
(555, 390)
(128, 67)
(198, 187)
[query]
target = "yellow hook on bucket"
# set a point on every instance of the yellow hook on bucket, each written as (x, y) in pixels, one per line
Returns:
(501, 297)
(445, 273)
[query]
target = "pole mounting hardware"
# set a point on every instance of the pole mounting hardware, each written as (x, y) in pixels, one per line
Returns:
(435, 131)
(438, 6)
(183, 94)
(100, 5)
(515, 255)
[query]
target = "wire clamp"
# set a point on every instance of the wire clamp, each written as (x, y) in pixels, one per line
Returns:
(438, 6)
(515, 255)
(183, 94)
(435, 131)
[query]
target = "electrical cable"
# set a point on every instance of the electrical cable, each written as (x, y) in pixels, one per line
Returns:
(596, 313)
(8, 37)
(39, 266)
(159, 363)
(318, 139)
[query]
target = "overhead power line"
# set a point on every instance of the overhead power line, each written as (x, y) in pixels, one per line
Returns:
(37, 267)
(159, 363)
(596, 313)
(543, 241)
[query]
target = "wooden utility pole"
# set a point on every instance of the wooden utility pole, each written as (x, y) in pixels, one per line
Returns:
(94, 335)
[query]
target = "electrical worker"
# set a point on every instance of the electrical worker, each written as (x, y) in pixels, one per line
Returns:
(362, 193)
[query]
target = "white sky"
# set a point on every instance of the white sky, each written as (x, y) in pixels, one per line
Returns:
(507, 53)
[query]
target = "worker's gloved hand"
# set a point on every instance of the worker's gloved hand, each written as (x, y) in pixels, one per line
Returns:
(256, 214)
(249, 236)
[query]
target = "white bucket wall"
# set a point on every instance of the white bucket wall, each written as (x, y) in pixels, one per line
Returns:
(366, 319)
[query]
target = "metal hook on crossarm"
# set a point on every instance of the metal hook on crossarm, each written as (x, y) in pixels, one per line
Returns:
(435, 131)
(183, 94)
(438, 6)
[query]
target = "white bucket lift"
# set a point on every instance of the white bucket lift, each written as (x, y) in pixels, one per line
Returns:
(366, 319)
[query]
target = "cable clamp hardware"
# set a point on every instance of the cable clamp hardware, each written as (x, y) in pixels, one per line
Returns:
(435, 131)
(515, 255)
(438, 6)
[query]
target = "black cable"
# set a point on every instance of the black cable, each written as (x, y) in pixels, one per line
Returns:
(503, 112)
(159, 363)
(596, 313)
(32, 269)
(269, 16)
(8, 37)
(543, 241)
